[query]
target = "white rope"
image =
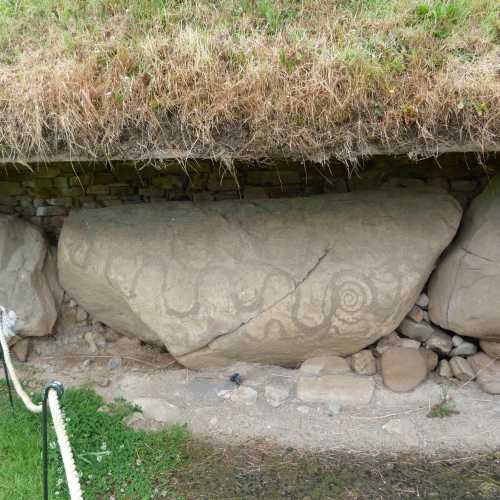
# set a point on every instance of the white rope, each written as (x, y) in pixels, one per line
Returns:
(6, 324)
(8, 320)
(72, 478)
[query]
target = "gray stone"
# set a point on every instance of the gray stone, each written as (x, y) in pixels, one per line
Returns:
(21, 350)
(325, 365)
(24, 287)
(159, 410)
(273, 281)
(349, 390)
(276, 395)
(461, 369)
(364, 363)
(492, 349)
(439, 341)
(444, 369)
(457, 340)
(403, 369)
(465, 289)
(244, 395)
(464, 349)
(417, 331)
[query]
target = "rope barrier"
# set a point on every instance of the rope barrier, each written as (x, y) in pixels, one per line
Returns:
(53, 392)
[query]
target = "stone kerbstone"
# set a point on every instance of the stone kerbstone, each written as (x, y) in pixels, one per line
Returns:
(492, 349)
(325, 365)
(403, 369)
(417, 331)
(364, 363)
(464, 291)
(348, 390)
(273, 281)
(461, 369)
(23, 284)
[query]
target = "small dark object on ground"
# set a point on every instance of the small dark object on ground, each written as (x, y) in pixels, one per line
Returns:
(236, 378)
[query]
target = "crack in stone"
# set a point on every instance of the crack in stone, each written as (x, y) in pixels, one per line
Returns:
(274, 304)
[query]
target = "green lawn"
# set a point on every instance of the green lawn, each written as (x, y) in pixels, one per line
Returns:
(112, 459)
(117, 463)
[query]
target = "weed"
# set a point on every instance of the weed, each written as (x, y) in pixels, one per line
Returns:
(444, 408)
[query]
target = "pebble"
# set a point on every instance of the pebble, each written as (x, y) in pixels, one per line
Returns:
(115, 362)
(439, 342)
(457, 340)
(410, 343)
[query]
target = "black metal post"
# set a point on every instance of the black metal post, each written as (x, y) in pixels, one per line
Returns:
(58, 387)
(7, 378)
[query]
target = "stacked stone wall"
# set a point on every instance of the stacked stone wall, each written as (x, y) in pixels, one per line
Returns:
(45, 193)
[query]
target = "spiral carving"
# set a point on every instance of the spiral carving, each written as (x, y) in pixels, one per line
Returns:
(351, 296)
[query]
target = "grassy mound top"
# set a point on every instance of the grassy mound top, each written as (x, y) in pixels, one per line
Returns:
(247, 79)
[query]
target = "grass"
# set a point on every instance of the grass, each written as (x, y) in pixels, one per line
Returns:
(118, 463)
(246, 79)
(114, 461)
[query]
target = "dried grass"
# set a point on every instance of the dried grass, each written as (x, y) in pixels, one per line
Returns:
(237, 79)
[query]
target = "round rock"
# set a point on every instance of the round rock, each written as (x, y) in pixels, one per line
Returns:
(403, 369)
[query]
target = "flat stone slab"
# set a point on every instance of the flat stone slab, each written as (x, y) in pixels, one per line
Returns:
(349, 390)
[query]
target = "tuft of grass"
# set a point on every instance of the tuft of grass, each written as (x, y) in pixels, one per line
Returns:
(112, 459)
(246, 79)
(446, 407)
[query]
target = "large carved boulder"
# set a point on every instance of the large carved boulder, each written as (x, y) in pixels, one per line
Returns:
(23, 278)
(274, 281)
(464, 291)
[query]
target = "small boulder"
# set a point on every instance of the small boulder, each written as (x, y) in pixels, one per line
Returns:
(444, 369)
(417, 331)
(325, 365)
(403, 369)
(431, 358)
(461, 369)
(439, 341)
(346, 389)
(464, 349)
(492, 349)
(364, 363)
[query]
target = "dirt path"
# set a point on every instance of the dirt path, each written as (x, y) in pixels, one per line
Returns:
(206, 401)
